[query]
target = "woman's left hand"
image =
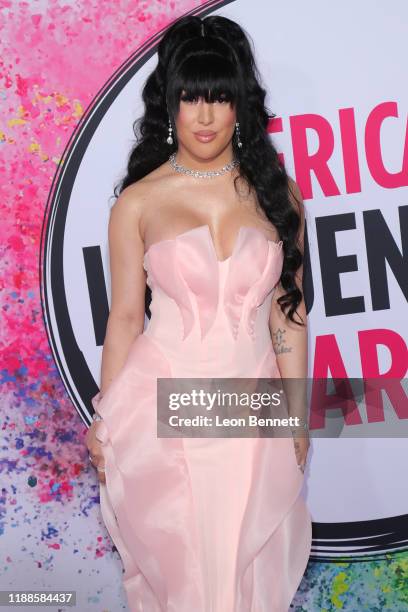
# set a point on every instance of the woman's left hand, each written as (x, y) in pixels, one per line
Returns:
(301, 449)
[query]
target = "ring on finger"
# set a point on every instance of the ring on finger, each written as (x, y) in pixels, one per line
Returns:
(91, 459)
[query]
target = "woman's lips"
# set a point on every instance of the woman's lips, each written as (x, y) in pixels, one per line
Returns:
(205, 136)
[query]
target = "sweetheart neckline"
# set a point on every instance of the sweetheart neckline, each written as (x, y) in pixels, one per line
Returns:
(207, 227)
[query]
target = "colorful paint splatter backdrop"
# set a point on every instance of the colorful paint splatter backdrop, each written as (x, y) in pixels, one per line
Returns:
(52, 535)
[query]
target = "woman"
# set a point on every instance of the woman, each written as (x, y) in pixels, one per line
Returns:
(209, 219)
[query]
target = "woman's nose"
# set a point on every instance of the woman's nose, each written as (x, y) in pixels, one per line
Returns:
(205, 112)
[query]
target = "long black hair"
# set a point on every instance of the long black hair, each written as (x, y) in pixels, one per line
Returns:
(212, 58)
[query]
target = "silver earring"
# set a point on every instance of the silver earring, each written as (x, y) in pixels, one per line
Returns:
(239, 143)
(170, 137)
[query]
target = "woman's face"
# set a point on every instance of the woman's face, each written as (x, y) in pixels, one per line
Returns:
(205, 129)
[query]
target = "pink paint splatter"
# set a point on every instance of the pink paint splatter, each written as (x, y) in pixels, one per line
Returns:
(54, 59)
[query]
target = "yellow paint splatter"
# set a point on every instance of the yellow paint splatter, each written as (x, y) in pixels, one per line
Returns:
(13, 122)
(60, 99)
(45, 99)
(78, 109)
(35, 147)
(339, 587)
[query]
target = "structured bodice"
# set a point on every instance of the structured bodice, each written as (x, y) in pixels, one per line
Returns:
(186, 270)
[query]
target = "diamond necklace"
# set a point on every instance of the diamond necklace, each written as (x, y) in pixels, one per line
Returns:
(198, 173)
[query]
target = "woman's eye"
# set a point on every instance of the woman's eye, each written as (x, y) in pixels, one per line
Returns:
(189, 99)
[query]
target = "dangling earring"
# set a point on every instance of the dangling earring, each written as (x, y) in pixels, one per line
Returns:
(239, 143)
(170, 137)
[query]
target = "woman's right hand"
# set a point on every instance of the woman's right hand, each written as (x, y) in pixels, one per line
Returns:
(95, 451)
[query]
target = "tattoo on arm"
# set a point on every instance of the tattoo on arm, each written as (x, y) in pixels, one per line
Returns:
(279, 342)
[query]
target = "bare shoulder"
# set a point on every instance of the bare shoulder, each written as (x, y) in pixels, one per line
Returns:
(132, 199)
(137, 199)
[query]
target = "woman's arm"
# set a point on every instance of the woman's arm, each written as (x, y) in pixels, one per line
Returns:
(290, 342)
(128, 284)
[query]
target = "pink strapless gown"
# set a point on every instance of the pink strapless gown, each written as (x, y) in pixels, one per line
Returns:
(202, 524)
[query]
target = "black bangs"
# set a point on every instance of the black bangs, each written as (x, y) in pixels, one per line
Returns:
(203, 74)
